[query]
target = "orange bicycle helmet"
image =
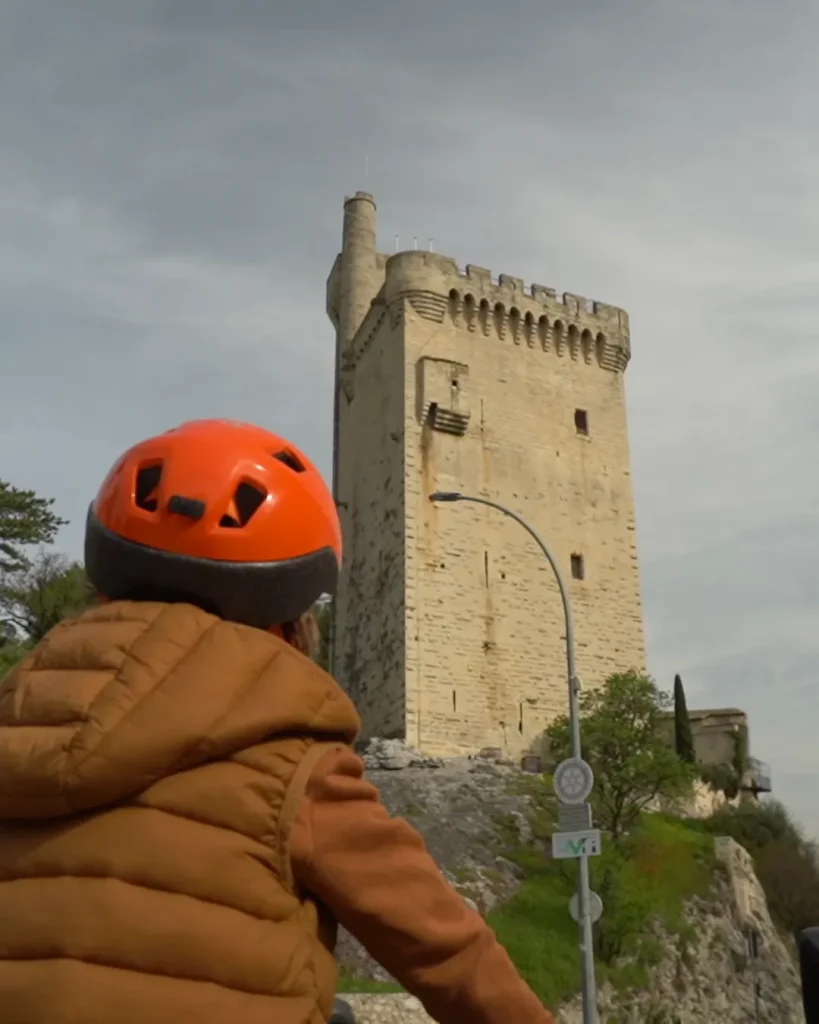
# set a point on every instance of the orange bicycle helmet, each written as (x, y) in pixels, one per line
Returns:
(221, 514)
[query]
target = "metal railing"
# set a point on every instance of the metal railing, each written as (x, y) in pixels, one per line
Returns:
(758, 776)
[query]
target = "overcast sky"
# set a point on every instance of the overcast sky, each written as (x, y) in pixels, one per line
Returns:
(171, 182)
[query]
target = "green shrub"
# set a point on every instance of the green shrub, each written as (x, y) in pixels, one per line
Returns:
(786, 863)
(647, 876)
(721, 778)
(754, 825)
(789, 874)
(740, 762)
(10, 654)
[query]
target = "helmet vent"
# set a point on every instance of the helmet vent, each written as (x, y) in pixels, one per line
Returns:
(246, 500)
(289, 459)
(147, 485)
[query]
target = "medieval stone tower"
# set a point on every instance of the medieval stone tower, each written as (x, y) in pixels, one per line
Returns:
(449, 629)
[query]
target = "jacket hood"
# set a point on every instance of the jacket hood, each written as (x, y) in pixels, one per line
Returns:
(129, 693)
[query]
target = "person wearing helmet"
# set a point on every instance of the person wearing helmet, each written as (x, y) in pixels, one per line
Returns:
(183, 818)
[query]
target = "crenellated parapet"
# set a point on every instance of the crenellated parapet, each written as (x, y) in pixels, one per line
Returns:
(570, 325)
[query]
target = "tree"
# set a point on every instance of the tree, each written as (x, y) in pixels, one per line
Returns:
(625, 744)
(786, 862)
(35, 598)
(11, 649)
(683, 739)
(11, 652)
(789, 874)
(756, 825)
(25, 519)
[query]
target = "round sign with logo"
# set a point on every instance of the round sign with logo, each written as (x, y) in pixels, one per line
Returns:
(573, 781)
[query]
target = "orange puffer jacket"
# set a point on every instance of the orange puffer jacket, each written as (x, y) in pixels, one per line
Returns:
(182, 823)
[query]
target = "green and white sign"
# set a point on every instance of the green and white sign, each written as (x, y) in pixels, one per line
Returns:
(573, 845)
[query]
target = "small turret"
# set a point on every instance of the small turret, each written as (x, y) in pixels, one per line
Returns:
(356, 288)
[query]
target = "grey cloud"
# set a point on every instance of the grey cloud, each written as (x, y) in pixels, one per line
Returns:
(739, 623)
(171, 178)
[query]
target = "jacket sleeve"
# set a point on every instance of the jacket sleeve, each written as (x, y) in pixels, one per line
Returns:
(375, 875)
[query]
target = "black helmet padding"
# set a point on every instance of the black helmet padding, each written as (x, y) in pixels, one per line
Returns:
(260, 594)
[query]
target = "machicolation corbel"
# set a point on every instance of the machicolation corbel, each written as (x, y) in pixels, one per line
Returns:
(436, 289)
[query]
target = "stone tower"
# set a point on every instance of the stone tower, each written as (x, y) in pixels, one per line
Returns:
(449, 629)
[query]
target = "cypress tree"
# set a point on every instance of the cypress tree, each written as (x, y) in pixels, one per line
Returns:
(683, 739)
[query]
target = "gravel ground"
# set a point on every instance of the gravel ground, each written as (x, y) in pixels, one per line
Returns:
(387, 1009)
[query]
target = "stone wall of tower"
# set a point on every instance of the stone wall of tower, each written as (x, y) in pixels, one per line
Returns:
(367, 648)
(489, 666)
(369, 651)
(450, 627)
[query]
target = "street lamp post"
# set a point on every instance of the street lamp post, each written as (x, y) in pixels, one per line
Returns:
(589, 983)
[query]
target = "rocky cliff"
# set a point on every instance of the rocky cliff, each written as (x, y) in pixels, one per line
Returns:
(469, 809)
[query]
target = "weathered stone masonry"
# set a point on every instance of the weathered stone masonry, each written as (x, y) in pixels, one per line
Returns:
(449, 628)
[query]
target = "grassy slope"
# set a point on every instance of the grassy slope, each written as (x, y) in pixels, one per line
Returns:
(347, 984)
(662, 863)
